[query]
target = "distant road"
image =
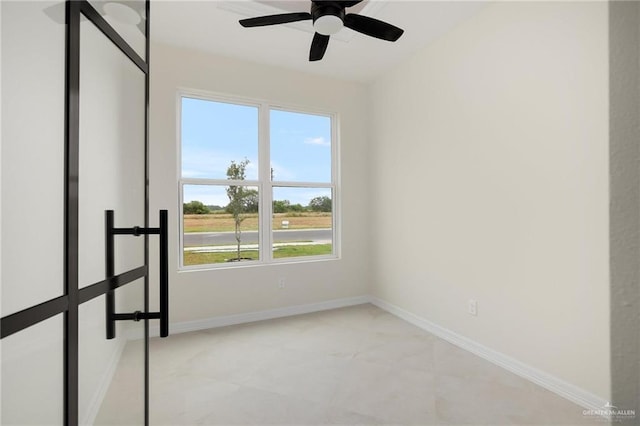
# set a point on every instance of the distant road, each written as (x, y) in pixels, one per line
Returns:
(199, 239)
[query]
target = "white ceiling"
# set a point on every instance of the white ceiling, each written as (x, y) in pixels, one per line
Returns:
(212, 26)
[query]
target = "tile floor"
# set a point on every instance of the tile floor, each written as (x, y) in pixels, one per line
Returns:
(352, 366)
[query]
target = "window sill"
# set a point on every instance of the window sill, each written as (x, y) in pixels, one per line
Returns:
(256, 264)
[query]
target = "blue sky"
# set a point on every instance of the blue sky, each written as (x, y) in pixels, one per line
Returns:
(214, 134)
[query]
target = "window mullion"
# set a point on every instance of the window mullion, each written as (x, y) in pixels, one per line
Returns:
(336, 218)
(224, 182)
(266, 236)
(303, 184)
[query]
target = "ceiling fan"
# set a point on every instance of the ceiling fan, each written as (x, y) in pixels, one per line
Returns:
(329, 17)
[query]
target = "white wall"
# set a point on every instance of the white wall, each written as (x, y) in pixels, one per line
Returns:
(490, 182)
(198, 295)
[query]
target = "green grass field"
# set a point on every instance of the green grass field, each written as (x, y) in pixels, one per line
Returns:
(191, 258)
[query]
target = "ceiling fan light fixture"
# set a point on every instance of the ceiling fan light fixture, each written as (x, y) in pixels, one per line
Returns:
(328, 24)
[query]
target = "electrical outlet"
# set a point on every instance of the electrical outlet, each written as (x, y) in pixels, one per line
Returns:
(281, 283)
(473, 307)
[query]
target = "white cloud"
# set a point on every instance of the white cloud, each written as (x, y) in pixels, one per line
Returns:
(320, 141)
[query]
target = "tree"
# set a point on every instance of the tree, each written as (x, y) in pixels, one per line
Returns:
(195, 207)
(251, 201)
(320, 204)
(239, 196)
(281, 206)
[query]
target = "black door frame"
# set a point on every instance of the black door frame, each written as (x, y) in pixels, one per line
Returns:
(73, 296)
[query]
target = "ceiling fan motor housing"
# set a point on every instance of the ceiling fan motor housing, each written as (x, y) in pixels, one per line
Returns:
(328, 17)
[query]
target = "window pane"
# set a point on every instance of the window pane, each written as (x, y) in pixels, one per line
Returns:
(128, 18)
(33, 162)
(220, 224)
(32, 375)
(118, 403)
(214, 134)
(112, 133)
(300, 147)
(302, 222)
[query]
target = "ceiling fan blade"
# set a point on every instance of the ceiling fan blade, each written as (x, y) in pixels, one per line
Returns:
(342, 3)
(372, 27)
(282, 18)
(349, 3)
(318, 47)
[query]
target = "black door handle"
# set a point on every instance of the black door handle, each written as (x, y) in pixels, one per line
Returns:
(164, 273)
(163, 232)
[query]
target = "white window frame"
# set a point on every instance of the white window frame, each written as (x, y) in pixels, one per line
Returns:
(264, 183)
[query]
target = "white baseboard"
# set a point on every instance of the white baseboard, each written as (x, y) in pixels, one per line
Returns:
(90, 415)
(558, 386)
(222, 321)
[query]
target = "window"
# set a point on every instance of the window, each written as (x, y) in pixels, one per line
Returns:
(257, 183)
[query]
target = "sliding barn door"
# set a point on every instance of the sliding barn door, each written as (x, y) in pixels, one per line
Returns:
(75, 222)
